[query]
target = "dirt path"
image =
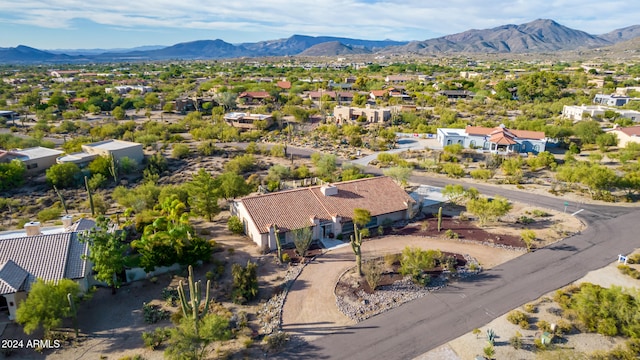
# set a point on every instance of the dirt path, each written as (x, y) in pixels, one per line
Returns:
(313, 312)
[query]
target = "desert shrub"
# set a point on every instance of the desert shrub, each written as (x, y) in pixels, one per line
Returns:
(170, 295)
(372, 272)
(153, 339)
(245, 282)
(276, 341)
(633, 259)
(153, 313)
(543, 325)
(525, 220)
(530, 308)
(481, 174)
(49, 214)
(414, 261)
(97, 181)
(234, 224)
(391, 259)
(453, 170)
(563, 327)
(489, 351)
(286, 258)
(516, 341)
(629, 271)
(516, 317)
(450, 234)
(539, 345)
(180, 151)
(540, 213)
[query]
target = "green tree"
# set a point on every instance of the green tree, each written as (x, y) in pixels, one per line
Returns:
(415, 261)
(180, 151)
(107, 250)
(63, 175)
(399, 174)
(587, 131)
(47, 305)
(204, 193)
(486, 209)
(100, 165)
(302, 239)
(231, 185)
(325, 165)
(12, 174)
(606, 140)
(118, 113)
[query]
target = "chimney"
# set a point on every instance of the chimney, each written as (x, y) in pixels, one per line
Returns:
(329, 190)
(67, 220)
(32, 228)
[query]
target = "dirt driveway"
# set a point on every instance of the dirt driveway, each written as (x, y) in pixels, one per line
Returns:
(310, 309)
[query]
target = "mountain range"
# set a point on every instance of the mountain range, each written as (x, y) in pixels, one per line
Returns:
(538, 36)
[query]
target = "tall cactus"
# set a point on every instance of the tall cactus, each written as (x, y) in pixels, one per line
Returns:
(113, 168)
(86, 184)
(278, 243)
(74, 312)
(191, 307)
(64, 204)
(439, 218)
(356, 245)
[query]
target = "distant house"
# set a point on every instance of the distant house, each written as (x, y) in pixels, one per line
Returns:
(611, 100)
(495, 140)
(248, 121)
(580, 112)
(327, 209)
(339, 96)
(49, 253)
(627, 135)
(36, 159)
(108, 148)
(254, 97)
(343, 113)
(456, 94)
(399, 79)
(284, 85)
(9, 114)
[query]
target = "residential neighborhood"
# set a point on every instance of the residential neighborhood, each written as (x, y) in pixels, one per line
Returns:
(253, 207)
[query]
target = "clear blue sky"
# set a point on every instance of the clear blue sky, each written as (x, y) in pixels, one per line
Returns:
(86, 24)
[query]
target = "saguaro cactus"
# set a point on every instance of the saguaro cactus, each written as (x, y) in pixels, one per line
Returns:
(191, 306)
(86, 184)
(64, 204)
(278, 244)
(439, 218)
(356, 245)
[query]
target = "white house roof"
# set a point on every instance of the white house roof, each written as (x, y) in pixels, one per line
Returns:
(38, 152)
(51, 256)
(78, 157)
(111, 145)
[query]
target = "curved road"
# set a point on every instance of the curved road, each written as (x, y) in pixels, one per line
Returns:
(428, 322)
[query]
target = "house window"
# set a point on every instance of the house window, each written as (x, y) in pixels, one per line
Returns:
(536, 148)
(347, 227)
(32, 166)
(373, 222)
(472, 144)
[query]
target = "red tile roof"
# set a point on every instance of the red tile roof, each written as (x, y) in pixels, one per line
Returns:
(255, 94)
(630, 131)
(284, 84)
(294, 209)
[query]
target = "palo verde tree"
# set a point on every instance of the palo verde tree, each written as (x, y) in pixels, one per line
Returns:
(107, 249)
(47, 305)
(361, 217)
(488, 209)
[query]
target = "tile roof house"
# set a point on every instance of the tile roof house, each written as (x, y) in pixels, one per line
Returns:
(626, 135)
(254, 97)
(495, 140)
(327, 209)
(53, 254)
